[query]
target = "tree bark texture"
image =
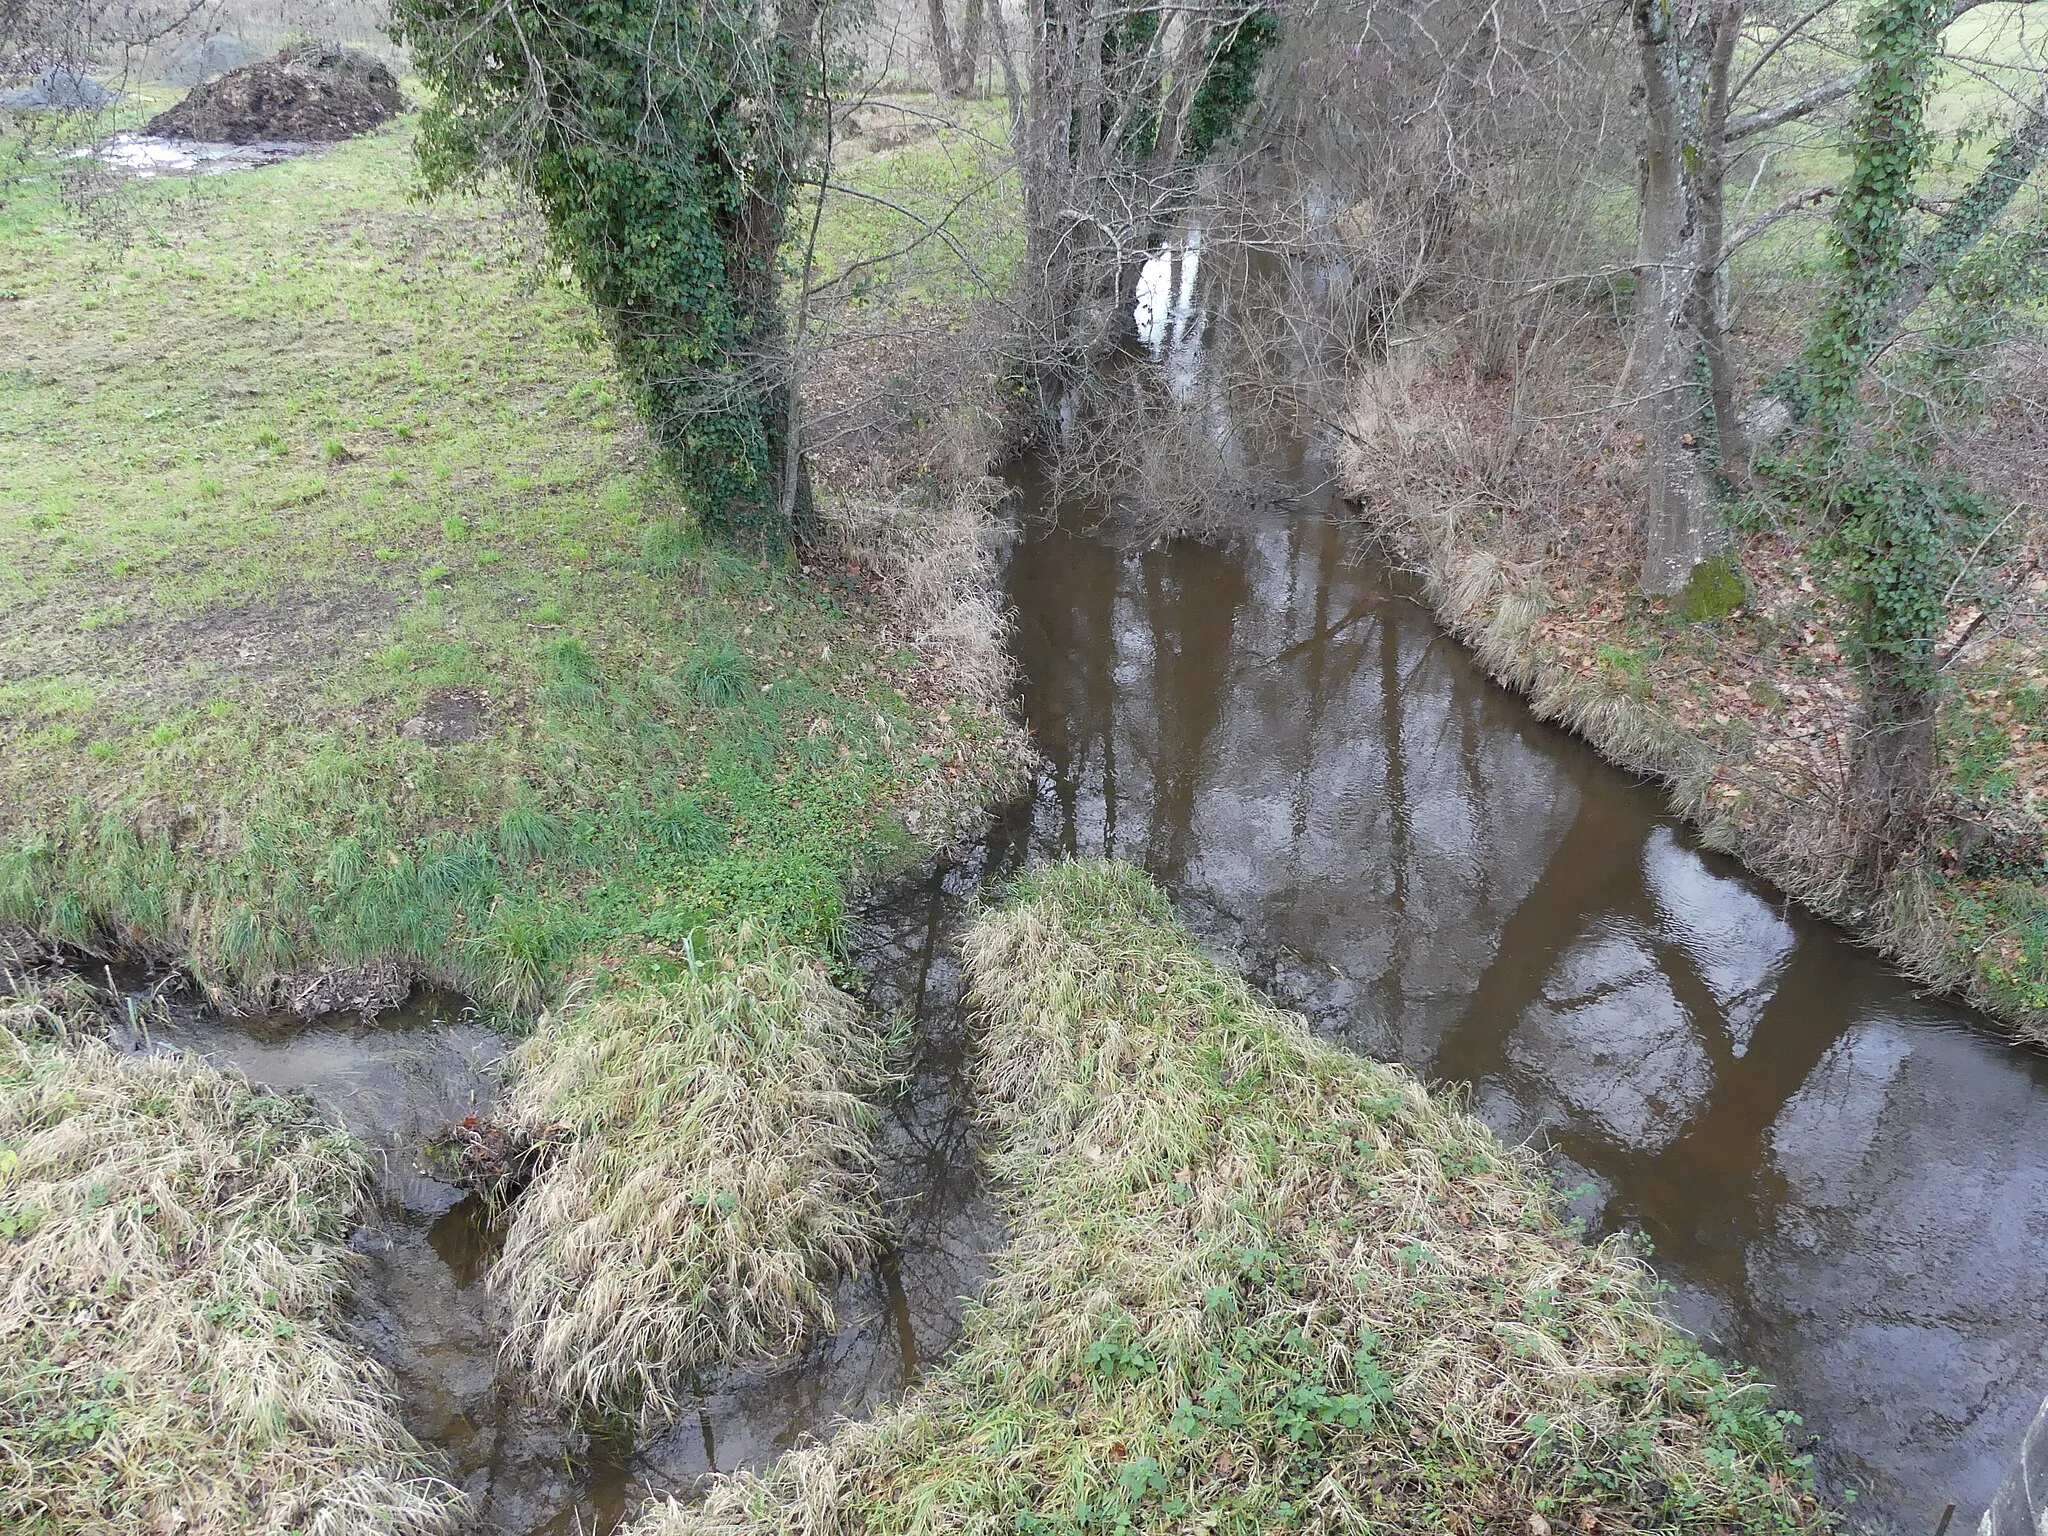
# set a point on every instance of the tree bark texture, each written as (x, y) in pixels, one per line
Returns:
(1892, 772)
(1677, 45)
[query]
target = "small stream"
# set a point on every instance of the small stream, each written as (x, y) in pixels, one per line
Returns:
(421, 1307)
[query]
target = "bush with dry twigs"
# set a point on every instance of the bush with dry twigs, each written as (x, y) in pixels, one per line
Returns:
(172, 1252)
(717, 1181)
(1258, 1283)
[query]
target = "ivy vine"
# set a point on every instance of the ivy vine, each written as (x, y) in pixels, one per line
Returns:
(1898, 530)
(663, 143)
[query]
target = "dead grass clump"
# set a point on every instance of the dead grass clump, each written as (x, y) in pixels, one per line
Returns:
(1261, 1284)
(717, 1182)
(930, 553)
(936, 569)
(172, 1248)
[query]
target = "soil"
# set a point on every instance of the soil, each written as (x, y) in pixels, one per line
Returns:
(310, 94)
(452, 715)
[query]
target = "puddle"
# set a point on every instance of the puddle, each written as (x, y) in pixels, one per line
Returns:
(144, 155)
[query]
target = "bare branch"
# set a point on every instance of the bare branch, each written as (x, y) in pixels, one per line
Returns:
(1793, 108)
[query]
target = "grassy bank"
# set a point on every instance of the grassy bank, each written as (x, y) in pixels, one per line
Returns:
(352, 639)
(717, 1183)
(172, 1255)
(348, 628)
(1258, 1283)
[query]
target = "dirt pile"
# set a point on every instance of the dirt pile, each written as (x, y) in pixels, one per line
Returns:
(316, 92)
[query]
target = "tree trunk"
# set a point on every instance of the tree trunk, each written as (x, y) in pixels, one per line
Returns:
(967, 57)
(1678, 505)
(1710, 277)
(1892, 777)
(755, 274)
(943, 56)
(1190, 43)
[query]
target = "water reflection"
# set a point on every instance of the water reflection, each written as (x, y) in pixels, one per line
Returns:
(1845, 1183)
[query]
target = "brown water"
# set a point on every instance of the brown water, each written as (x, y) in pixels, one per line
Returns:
(1845, 1183)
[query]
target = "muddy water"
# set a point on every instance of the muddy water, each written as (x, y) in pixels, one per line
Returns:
(1846, 1183)
(421, 1306)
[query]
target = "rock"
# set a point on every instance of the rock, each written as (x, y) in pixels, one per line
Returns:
(207, 58)
(59, 89)
(315, 93)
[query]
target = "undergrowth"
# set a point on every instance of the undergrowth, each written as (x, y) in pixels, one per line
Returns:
(1260, 1284)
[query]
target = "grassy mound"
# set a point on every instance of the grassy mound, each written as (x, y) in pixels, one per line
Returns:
(718, 1182)
(172, 1244)
(1261, 1284)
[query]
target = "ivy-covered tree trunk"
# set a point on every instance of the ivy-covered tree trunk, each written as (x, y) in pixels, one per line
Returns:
(663, 145)
(1890, 520)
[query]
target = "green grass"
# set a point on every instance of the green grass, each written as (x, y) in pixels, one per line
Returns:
(1259, 1284)
(300, 462)
(876, 247)
(173, 1251)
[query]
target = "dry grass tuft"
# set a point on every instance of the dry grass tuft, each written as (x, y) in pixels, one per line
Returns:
(172, 1248)
(1261, 1284)
(936, 569)
(931, 555)
(717, 1183)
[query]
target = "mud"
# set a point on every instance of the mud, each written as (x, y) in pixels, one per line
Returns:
(316, 94)
(450, 716)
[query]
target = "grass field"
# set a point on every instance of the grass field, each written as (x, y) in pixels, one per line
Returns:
(347, 624)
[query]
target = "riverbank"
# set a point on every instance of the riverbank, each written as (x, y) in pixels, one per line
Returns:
(173, 1252)
(1257, 1282)
(1740, 700)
